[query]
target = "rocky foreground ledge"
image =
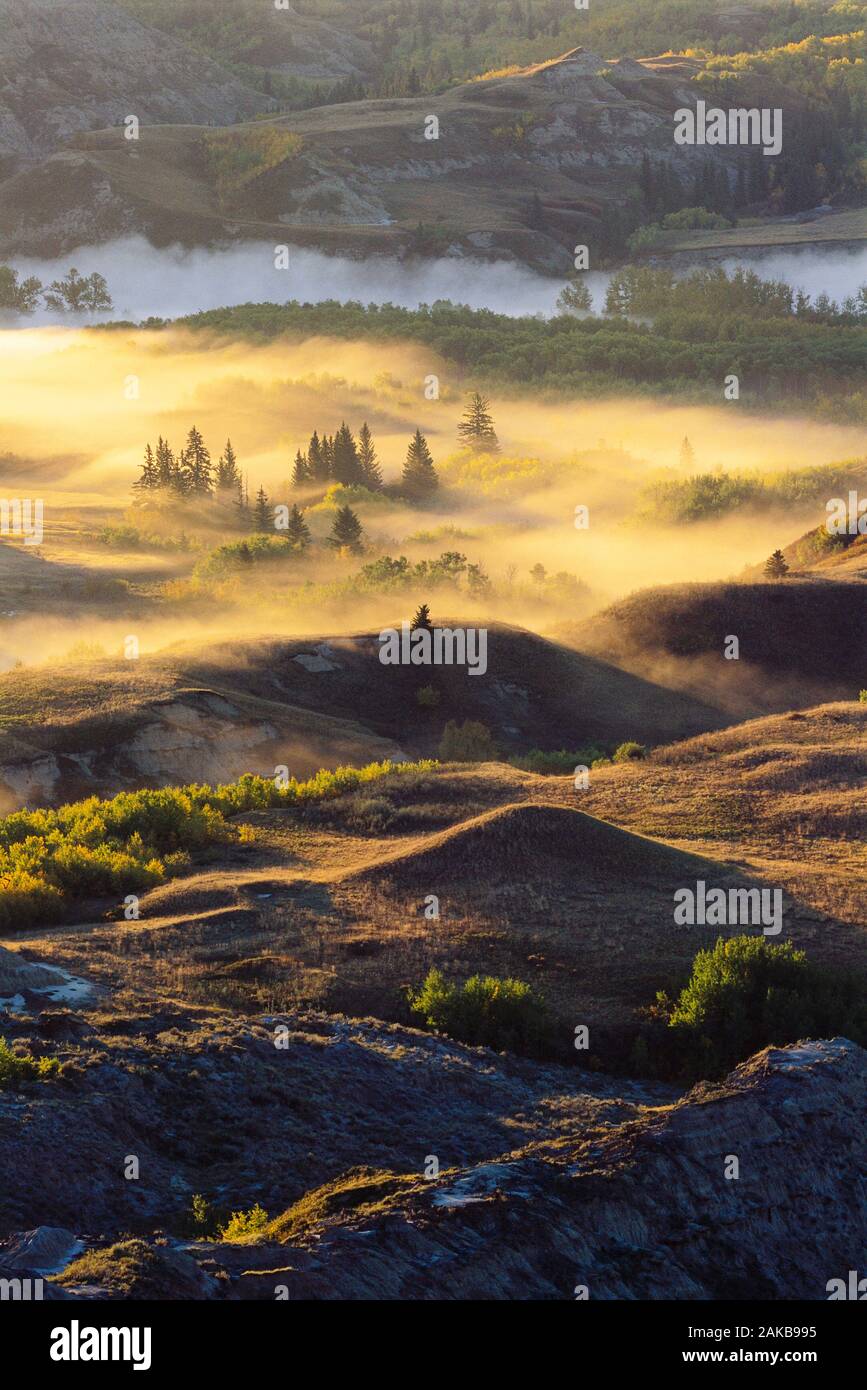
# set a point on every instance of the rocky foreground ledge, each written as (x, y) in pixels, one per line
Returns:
(754, 1188)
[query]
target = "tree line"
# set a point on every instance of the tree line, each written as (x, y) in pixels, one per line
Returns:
(73, 294)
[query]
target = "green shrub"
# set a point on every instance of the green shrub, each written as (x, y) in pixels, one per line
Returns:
(630, 753)
(242, 1224)
(747, 993)
(428, 697)
(16, 1069)
(484, 1012)
(560, 763)
(863, 697)
(139, 839)
(470, 742)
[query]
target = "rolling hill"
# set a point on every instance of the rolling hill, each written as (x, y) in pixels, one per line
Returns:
(212, 713)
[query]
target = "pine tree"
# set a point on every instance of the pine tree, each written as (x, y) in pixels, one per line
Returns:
(150, 474)
(777, 566)
(346, 468)
(300, 471)
(180, 483)
(318, 469)
(242, 504)
(165, 461)
(422, 619)
(263, 520)
(228, 475)
(346, 533)
(328, 455)
(297, 531)
(476, 429)
(419, 475)
(368, 461)
(199, 467)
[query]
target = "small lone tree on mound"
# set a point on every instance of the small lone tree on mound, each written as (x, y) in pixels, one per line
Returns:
(476, 429)
(422, 619)
(777, 566)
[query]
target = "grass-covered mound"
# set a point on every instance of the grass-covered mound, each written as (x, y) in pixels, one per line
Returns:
(139, 839)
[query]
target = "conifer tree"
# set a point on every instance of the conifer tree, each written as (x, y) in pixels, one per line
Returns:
(297, 531)
(346, 533)
(422, 618)
(180, 483)
(476, 429)
(198, 465)
(419, 475)
(687, 454)
(777, 566)
(346, 468)
(300, 472)
(318, 468)
(228, 476)
(165, 461)
(263, 520)
(149, 480)
(370, 468)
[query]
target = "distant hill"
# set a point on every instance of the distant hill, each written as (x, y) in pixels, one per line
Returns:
(82, 65)
(525, 165)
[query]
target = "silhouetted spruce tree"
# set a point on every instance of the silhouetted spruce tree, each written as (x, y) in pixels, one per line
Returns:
(297, 531)
(263, 518)
(199, 467)
(422, 618)
(347, 531)
(346, 468)
(228, 475)
(419, 475)
(318, 468)
(300, 472)
(149, 480)
(476, 429)
(328, 455)
(368, 461)
(776, 566)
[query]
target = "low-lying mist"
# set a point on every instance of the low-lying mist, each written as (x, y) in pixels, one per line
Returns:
(75, 431)
(171, 282)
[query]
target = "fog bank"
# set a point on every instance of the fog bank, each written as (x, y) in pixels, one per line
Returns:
(169, 283)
